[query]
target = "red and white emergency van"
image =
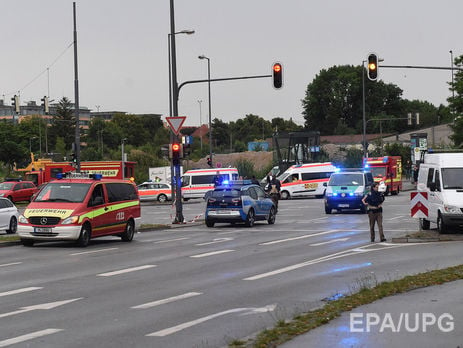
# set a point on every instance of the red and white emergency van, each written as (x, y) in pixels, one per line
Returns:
(387, 169)
(80, 207)
(196, 182)
(305, 180)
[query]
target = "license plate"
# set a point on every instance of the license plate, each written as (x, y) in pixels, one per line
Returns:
(224, 212)
(42, 229)
(343, 205)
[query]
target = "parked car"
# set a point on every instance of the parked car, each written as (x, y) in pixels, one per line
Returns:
(17, 191)
(8, 216)
(150, 191)
(239, 201)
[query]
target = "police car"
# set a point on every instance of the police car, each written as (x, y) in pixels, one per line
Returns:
(239, 201)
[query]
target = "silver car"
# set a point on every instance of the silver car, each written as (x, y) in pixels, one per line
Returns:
(8, 216)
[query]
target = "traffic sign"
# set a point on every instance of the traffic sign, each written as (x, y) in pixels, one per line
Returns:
(175, 123)
(419, 204)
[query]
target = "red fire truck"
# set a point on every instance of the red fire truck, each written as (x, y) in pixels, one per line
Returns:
(43, 172)
(387, 169)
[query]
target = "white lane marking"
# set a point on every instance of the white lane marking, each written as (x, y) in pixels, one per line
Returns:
(18, 291)
(93, 251)
(188, 324)
(28, 337)
(10, 264)
(214, 241)
(170, 240)
(212, 253)
(297, 238)
(167, 300)
(330, 257)
(330, 241)
(127, 270)
(49, 305)
(397, 217)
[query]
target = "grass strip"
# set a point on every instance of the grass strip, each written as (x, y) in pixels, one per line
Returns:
(286, 330)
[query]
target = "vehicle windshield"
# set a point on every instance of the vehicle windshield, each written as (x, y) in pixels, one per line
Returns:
(283, 176)
(378, 171)
(6, 185)
(63, 192)
(452, 178)
(221, 193)
(346, 179)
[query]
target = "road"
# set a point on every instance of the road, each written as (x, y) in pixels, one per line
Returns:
(201, 287)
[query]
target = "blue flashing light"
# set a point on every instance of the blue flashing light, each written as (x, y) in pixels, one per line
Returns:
(225, 182)
(59, 176)
(337, 170)
(335, 193)
(97, 176)
(385, 159)
(367, 166)
(351, 194)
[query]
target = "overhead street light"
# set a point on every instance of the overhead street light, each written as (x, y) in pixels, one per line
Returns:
(209, 102)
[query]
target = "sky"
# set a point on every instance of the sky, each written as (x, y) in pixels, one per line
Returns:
(123, 51)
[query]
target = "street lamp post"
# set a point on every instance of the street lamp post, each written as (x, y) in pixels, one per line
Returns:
(364, 144)
(200, 126)
(209, 102)
(30, 144)
(173, 85)
(451, 62)
(123, 158)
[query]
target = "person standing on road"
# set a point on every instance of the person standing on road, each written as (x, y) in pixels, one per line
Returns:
(374, 200)
(275, 187)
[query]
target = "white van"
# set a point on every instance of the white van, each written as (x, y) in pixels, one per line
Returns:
(305, 180)
(441, 176)
(196, 182)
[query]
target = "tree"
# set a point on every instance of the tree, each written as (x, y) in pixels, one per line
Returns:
(63, 124)
(333, 101)
(456, 103)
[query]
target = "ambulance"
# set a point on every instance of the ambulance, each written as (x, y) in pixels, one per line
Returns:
(196, 182)
(78, 207)
(387, 170)
(305, 180)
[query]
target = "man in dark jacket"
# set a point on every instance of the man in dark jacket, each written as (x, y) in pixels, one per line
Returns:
(275, 187)
(374, 201)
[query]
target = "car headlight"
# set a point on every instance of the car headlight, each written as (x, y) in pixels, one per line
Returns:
(70, 220)
(2, 194)
(451, 209)
(22, 219)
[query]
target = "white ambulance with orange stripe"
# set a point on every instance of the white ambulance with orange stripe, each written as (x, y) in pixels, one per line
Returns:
(196, 182)
(305, 180)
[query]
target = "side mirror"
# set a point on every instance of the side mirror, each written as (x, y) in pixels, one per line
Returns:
(325, 184)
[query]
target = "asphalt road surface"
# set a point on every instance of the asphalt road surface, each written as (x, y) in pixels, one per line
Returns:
(201, 287)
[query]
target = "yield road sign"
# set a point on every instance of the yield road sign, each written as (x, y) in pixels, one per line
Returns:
(419, 204)
(175, 123)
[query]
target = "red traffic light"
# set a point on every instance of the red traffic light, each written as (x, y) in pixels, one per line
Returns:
(175, 147)
(277, 75)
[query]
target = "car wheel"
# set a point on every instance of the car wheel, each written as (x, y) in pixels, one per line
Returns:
(27, 242)
(425, 224)
(441, 226)
(285, 195)
(250, 218)
(129, 232)
(327, 210)
(162, 198)
(84, 237)
(13, 225)
(209, 223)
(271, 216)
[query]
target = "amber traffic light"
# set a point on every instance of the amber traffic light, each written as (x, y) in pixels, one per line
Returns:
(372, 66)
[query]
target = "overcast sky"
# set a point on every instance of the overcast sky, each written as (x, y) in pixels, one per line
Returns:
(123, 59)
